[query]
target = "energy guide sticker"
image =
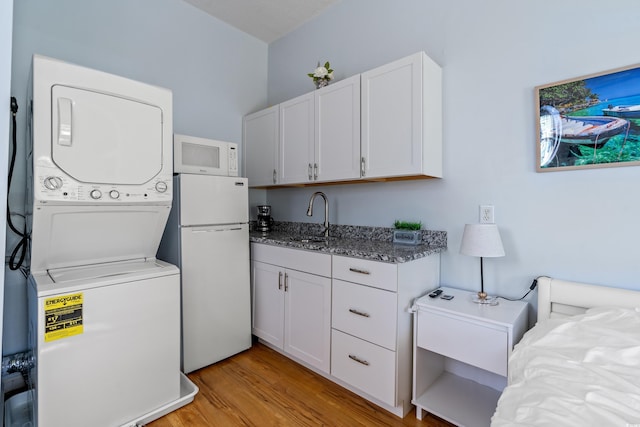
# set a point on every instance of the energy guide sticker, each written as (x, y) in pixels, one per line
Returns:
(62, 316)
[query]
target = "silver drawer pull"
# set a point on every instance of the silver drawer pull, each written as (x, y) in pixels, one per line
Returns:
(359, 313)
(357, 270)
(363, 362)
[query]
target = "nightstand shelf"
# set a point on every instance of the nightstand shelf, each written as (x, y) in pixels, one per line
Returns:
(458, 400)
(460, 355)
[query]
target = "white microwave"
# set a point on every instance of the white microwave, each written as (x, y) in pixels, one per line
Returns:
(204, 156)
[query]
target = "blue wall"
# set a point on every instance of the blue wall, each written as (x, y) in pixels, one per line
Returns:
(216, 72)
(579, 225)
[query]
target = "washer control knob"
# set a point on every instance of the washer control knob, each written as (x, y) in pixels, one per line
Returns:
(114, 194)
(53, 182)
(161, 186)
(95, 194)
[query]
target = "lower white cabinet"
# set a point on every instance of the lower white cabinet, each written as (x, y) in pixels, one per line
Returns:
(364, 365)
(291, 308)
(348, 318)
(371, 347)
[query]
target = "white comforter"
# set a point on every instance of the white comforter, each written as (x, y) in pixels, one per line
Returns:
(578, 371)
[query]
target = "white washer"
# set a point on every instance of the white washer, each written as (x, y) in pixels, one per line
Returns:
(104, 313)
(106, 342)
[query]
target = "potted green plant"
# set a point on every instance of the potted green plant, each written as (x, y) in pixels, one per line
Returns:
(407, 232)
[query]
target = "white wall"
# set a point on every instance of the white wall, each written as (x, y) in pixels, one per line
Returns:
(579, 225)
(217, 75)
(6, 25)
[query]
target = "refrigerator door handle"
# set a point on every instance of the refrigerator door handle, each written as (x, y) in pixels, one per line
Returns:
(213, 230)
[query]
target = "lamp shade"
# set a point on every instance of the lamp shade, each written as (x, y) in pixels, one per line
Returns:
(481, 240)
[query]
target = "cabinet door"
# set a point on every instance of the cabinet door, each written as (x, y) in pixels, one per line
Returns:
(267, 285)
(297, 140)
(337, 131)
(392, 118)
(261, 138)
(308, 318)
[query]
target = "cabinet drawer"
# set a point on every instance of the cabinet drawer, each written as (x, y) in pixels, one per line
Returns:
(294, 259)
(365, 312)
(365, 366)
(373, 273)
(478, 344)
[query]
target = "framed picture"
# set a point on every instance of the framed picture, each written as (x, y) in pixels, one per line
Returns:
(589, 122)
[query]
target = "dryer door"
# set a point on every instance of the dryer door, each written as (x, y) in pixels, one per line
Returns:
(105, 139)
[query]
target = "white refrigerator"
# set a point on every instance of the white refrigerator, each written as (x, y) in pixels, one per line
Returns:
(207, 236)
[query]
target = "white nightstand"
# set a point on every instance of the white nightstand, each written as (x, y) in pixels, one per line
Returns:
(460, 353)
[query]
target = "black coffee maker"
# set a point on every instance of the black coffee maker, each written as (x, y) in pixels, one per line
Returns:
(265, 221)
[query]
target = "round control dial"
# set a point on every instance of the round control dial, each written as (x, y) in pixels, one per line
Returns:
(161, 186)
(52, 182)
(95, 194)
(114, 194)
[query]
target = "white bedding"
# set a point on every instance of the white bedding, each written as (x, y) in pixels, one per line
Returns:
(582, 371)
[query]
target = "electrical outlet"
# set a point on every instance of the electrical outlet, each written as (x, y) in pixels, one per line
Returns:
(486, 214)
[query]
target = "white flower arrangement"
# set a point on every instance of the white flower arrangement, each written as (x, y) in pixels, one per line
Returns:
(322, 75)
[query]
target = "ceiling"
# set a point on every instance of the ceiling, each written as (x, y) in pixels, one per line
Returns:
(266, 20)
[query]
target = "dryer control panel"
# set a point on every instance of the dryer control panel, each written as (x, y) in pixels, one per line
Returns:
(98, 138)
(51, 185)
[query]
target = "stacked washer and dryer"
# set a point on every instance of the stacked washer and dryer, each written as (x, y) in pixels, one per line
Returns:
(104, 312)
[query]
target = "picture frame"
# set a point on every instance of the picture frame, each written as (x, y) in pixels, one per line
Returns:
(588, 122)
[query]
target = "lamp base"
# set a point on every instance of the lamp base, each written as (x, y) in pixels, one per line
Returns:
(483, 298)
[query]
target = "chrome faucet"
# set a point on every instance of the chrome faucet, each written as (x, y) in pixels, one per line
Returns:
(326, 210)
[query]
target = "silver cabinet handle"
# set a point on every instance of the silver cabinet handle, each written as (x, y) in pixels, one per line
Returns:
(309, 171)
(274, 176)
(355, 358)
(279, 279)
(359, 313)
(315, 171)
(357, 270)
(286, 282)
(362, 166)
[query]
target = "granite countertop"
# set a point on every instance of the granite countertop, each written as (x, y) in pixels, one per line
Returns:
(372, 243)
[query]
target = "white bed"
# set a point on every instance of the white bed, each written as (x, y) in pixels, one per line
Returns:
(580, 364)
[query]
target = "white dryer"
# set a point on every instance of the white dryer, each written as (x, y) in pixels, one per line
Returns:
(104, 313)
(100, 166)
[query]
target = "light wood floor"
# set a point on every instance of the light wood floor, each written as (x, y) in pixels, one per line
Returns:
(260, 387)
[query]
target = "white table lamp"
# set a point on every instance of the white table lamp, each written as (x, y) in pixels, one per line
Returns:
(482, 240)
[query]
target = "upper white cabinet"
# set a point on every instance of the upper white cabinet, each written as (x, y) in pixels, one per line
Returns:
(337, 132)
(383, 124)
(402, 119)
(320, 135)
(297, 139)
(261, 134)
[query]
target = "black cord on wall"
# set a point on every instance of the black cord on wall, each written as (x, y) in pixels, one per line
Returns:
(20, 251)
(532, 287)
